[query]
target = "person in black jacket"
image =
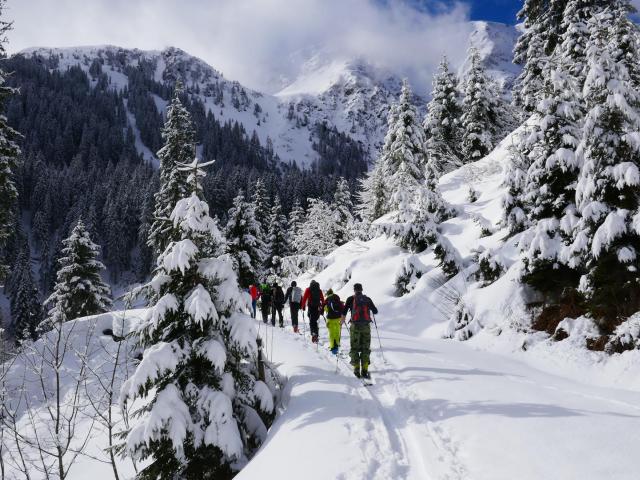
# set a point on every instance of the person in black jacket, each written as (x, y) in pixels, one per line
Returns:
(361, 308)
(266, 298)
(278, 305)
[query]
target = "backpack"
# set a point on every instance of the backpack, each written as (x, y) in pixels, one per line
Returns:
(334, 306)
(296, 295)
(360, 309)
(314, 297)
(278, 296)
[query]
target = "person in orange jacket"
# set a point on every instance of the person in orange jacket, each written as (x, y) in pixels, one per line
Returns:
(314, 299)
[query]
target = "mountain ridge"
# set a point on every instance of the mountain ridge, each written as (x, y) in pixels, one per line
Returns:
(351, 95)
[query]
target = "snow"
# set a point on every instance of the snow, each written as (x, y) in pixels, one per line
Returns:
(441, 409)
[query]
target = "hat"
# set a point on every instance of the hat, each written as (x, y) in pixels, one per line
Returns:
(329, 292)
(357, 287)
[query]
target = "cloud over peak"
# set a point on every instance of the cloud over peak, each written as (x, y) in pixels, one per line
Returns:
(261, 43)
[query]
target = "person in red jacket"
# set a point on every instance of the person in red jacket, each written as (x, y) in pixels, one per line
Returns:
(255, 294)
(313, 298)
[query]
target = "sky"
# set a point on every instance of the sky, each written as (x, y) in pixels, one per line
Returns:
(263, 43)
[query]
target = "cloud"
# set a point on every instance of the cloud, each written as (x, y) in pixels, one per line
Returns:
(258, 42)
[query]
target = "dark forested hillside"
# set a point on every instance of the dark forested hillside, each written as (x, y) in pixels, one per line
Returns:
(81, 160)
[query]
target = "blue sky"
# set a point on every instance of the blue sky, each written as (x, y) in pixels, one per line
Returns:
(495, 10)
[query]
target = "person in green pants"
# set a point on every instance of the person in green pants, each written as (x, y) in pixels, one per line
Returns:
(333, 308)
(361, 308)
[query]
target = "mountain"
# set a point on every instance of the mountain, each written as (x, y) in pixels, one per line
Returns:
(495, 43)
(349, 96)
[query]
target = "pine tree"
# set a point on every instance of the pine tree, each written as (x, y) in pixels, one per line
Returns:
(9, 151)
(342, 209)
(372, 197)
(515, 181)
(403, 159)
(204, 411)
(26, 310)
(442, 122)
(315, 237)
(179, 148)
(79, 290)
(543, 28)
(244, 243)
(277, 244)
(572, 50)
(549, 193)
(480, 114)
(415, 224)
(607, 237)
(296, 220)
(260, 202)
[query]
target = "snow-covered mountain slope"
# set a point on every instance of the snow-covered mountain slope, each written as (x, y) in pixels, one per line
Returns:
(349, 94)
(495, 43)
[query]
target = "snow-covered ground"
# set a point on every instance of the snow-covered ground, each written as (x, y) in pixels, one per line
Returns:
(441, 410)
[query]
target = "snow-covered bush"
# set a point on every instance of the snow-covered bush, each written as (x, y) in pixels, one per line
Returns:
(626, 337)
(409, 273)
(490, 269)
(462, 326)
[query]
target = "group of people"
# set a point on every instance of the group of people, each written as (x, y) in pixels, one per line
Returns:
(361, 308)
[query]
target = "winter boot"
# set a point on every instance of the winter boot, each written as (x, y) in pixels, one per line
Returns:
(281, 325)
(334, 350)
(295, 330)
(314, 338)
(356, 372)
(365, 374)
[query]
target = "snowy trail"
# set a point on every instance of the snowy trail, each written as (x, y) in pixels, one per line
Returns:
(442, 410)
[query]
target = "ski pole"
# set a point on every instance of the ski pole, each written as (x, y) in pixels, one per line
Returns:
(337, 354)
(379, 342)
(304, 325)
(273, 327)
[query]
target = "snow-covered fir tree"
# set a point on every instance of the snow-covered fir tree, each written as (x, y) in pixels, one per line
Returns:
(296, 221)
(9, 152)
(515, 181)
(204, 411)
(415, 223)
(480, 117)
(277, 244)
(549, 193)
(179, 148)
(26, 309)
(244, 243)
(316, 235)
(442, 122)
(403, 159)
(372, 197)
(542, 21)
(607, 237)
(79, 290)
(342, 210)
(261, 206)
